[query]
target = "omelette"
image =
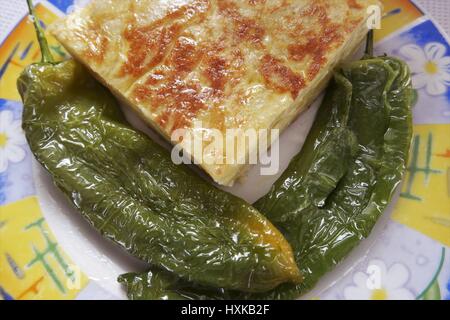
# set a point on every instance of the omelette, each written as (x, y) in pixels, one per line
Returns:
(223, 64)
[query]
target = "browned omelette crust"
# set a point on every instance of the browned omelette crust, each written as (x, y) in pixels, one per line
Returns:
(229, 63)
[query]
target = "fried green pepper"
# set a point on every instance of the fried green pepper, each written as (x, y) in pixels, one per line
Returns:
(129, 189)
(337, 187)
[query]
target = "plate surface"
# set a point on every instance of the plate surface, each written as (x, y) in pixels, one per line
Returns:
(47, 251)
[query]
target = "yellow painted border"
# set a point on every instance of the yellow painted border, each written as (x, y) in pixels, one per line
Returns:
(32, 265)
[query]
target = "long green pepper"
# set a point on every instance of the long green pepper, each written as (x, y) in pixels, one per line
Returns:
(129, 189)
(336, 188)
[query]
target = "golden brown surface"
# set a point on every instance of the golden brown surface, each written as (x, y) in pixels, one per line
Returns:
(230, 64)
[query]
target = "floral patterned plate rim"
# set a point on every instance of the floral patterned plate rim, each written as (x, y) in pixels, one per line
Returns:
(48, 252)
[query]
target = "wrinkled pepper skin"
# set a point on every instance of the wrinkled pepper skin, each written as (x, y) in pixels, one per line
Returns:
(129, 189)
(337, 187)
(162, 285)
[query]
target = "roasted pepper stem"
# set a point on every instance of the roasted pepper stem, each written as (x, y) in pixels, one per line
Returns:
(369, 43)
(45, 49)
